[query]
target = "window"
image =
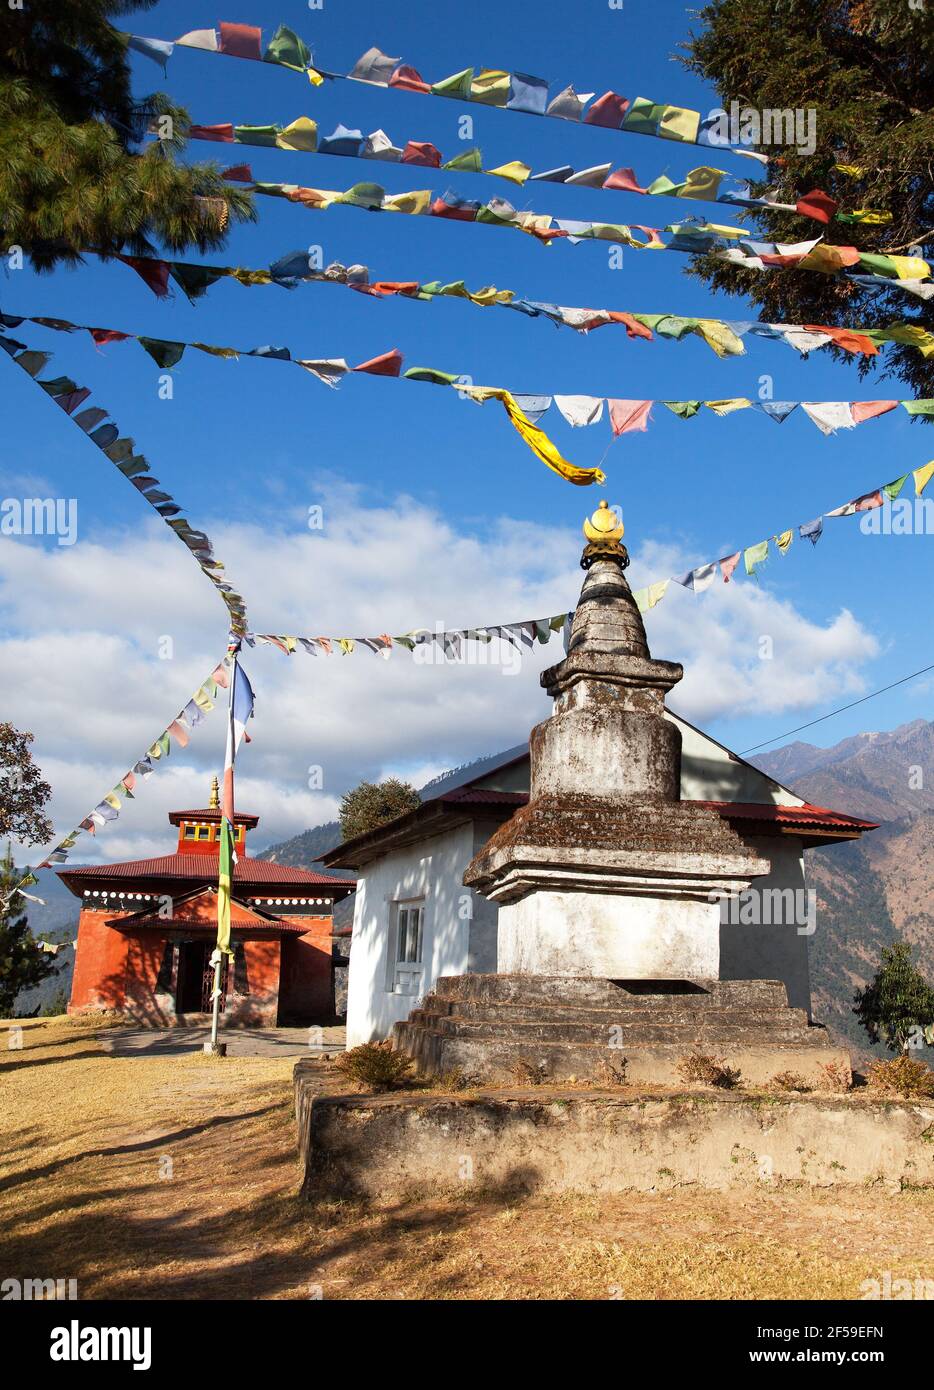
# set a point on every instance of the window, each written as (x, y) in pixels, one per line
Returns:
(189, 831)
(409, 936)
(405, 955)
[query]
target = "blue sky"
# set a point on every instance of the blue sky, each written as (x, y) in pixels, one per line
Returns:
(435, 511)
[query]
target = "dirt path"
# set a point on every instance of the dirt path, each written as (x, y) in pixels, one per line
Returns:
(176, 1176)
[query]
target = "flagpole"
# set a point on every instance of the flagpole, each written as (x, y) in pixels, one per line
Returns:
(215, 1048)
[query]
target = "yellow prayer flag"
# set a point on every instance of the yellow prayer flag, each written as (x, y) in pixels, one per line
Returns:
(677, 123)
(853, 171)
(910, 267)
(514, 170)
(922, 477)
(490, 86)
(727, 407)
(784, 541)
(314, 78)
(346, 645)
(416, 201)
(702, 183)
(302, 134)
(720, 337)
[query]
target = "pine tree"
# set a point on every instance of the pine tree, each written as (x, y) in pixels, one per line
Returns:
(23, 963)
(897, 1002)
(373, 804)
(73, 175)
(866, 69)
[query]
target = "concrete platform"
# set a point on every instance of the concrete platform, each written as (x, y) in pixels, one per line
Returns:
(559, 1140)
(241, 1042)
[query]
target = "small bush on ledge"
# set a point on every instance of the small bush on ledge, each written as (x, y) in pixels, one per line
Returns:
(709, 1071)
(902, 1076)
(789, 1081)
(377, 1065)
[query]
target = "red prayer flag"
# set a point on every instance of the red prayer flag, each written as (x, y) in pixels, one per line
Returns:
(107, 335)
(846, 338)
(241, 41)
(408, 79)
(70, 402)
(868, 410)
(240, 173)
(634, 329)
(387, 364)
(155, 273)
(728, 565)
(422, 152)
(818, 205)
(223, 132)
(607, 110)
(626, 416)
(440, 208)
(625, 179)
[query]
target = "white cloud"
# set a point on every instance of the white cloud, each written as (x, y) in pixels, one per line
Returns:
(84, 672)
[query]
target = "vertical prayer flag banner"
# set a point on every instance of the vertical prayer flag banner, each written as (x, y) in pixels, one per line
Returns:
(239, 713)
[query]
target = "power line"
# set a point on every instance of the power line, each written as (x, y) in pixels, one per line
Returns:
(852, 705)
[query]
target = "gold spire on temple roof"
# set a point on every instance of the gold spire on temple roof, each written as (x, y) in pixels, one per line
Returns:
(215, 800)
(604, 533)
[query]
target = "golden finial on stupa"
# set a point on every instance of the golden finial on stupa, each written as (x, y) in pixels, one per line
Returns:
(604, 533)
(215, 793)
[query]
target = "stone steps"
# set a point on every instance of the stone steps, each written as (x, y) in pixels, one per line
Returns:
(717, 1035)
(629, 1014)
(504, 1061)
(492, 1028)
(583, 991)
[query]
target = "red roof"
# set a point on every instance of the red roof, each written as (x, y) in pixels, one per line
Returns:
(203, 868)
(197, 911)
(806, 816)
(212, 813)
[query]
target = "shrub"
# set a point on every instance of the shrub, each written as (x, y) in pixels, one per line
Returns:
(709, 1071)
(789, 1081)
(376, 1064)
(902, 1076)
(529, 1073)
(836, 1076)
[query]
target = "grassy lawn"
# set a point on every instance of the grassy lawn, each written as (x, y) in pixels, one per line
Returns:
(177, 1177)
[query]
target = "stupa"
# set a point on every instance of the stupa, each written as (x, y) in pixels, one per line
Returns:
(609, 886)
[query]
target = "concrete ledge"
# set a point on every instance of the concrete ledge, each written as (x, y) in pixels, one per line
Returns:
(566, 1140)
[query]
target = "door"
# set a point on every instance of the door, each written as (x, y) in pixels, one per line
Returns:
(192, 959)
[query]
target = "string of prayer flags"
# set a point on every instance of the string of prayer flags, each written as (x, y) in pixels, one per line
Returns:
(731, 131)
(523, 411)
(527, 633)
(753, 557)
(724, 336)
(176, 732)
(699, 185)
(540, 630)
(691, 237)
(121, 451)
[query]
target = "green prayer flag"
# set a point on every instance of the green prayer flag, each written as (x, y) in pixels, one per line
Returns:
(643, 116)
(920, 407)
(431, 374)
(457, 86)
(755, 555)
(195, 279)
(892, 490)
(163, 352)
(683, 409)
(285, 47)
(256, 134)
(224, 876)
(471, 161)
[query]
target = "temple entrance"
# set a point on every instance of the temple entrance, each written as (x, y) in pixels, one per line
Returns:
(193, 959)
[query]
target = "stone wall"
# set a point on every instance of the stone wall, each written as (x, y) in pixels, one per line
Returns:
(557, 1141)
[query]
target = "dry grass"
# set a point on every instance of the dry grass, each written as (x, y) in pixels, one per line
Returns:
(85, 1137)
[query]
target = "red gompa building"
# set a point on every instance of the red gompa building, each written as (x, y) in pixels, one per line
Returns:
(148, 926)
